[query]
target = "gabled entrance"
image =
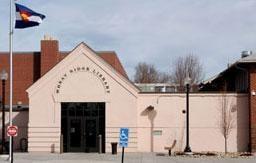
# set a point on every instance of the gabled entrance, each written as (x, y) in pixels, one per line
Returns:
(81, 126)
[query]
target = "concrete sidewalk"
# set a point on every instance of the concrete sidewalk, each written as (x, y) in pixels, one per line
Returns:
(108, 158)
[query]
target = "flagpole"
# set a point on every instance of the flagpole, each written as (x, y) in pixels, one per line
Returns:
(11, 74)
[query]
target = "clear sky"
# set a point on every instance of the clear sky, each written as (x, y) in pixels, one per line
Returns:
(154, 31)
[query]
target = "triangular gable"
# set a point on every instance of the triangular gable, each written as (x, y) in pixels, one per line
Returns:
(82, 48)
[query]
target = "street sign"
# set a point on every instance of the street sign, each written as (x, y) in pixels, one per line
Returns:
(124, 135)
(12, 131)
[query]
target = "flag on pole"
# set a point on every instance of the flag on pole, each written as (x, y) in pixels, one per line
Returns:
(26, 17)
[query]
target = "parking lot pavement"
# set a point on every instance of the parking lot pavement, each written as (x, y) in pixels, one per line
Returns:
(108, 158)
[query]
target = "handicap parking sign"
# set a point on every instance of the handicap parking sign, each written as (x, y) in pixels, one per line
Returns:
(124, 135)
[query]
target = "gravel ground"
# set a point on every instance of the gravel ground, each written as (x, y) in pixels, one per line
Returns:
(129, 158)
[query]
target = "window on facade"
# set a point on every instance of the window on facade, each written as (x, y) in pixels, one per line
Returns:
(159, 89)
(170, 89)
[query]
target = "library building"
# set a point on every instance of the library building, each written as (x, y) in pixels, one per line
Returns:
(77, 101)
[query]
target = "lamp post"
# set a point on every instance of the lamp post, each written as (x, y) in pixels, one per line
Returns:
(4, 77)
(187, 149)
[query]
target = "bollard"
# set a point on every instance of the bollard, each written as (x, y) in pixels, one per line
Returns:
(61, 143)
(100, 144)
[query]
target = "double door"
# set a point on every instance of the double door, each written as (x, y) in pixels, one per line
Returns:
(81, 126)
(83, 135)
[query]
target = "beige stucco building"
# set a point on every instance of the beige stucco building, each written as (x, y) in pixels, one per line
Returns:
(83, 97)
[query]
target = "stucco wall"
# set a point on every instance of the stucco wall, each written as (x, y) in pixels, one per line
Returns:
(88, 82)
(167, 117)
(205, 117)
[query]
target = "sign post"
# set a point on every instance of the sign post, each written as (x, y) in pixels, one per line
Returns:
(12, 131)
(123, 142)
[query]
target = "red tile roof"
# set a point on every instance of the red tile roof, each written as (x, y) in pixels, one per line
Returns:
(111, 58)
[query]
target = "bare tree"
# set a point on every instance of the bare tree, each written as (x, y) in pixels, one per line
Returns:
(163, 77)
(185, 66)
(226, 122)
(147, 73)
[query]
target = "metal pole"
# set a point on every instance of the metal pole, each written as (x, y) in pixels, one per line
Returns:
(12, 150)
(187, 149)
(10, 49)
(122, 154)
(3, 115)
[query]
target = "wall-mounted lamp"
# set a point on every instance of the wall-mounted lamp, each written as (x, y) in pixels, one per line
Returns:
(150, 108)
(19, 103)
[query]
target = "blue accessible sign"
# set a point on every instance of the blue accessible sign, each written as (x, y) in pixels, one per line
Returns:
(124, 135)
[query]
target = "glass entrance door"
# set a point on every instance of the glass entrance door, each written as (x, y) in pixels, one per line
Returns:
(91, 135)
(76, 143)
(81, 125)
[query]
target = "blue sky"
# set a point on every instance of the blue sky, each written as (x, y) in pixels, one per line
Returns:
(143, 30)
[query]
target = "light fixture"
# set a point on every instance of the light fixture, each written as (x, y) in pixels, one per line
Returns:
(4, 75)
(150, 108)
(187, 80)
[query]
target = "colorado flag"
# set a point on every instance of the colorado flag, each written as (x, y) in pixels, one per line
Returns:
(25, 17)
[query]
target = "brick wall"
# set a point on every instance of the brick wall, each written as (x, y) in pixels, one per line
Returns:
(25, 72)
(252, 106)
(49, 55)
